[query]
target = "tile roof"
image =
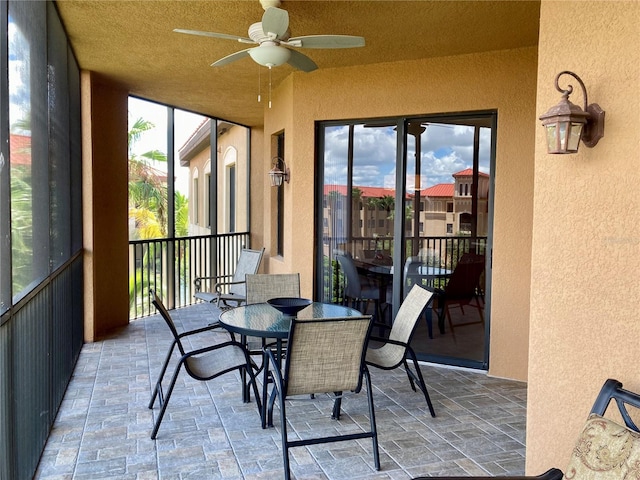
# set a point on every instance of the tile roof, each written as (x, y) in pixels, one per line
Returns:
(439, 190)
(467, 173)
(20, 149)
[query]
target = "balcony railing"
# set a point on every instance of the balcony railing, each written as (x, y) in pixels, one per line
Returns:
(170, 265)
(443, 252)
(438, 251)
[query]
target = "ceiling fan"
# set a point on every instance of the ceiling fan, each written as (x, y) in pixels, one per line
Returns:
(273, 37)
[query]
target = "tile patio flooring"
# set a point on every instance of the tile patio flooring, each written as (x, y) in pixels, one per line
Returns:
(103, 427)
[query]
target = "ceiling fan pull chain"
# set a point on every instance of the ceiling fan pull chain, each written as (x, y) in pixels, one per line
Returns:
(259, 84)
(269, 87)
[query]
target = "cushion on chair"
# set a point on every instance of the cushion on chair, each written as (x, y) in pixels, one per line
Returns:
(605, 451)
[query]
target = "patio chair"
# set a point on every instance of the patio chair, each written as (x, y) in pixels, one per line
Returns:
(394, 350)
(461, 290)
(323, 356)
(360, 291)
(260, 288)
(227, 291)
(200, 364)
(606, 449)
(264, 286)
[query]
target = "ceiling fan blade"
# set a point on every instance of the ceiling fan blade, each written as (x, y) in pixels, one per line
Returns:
(214, 35)
(275, 20)
(231, 58)
(301, 61)
(326, 41)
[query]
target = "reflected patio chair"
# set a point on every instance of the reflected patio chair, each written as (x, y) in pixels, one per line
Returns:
(227, 291)
(411, 272)
(200, 364)
(396, 349)
(323, 356)
(360, 291)
(462, 289)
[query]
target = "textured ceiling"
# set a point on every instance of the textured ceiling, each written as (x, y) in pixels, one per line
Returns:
(132, 42)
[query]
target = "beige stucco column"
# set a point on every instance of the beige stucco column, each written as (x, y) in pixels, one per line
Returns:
(104, 193)
(586, 238)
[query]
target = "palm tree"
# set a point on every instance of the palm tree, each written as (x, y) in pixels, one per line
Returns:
(147, 188)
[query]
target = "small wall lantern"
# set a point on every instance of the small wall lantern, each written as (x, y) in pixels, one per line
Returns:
(566, 124)
(279, 172)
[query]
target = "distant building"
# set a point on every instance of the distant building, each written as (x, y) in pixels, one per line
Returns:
(231, 207)
(445, 209)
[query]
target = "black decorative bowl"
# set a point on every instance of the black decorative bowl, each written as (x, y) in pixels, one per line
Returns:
(289, 306)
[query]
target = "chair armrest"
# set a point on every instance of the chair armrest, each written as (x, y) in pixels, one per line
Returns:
(218, 346)
(388, 340)
(211, 326)
(437, 291)
(552, 474)
(197, 282)
(218, 285)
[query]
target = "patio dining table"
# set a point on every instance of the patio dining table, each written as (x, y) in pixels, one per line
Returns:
(264, 321)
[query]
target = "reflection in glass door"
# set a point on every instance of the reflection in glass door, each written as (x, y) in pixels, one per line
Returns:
(447, 193)
(358, 198)
(404, 202)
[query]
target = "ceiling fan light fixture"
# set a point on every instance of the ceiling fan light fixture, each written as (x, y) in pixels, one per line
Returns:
(270, 55)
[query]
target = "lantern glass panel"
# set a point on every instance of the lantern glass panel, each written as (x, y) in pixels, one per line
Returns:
(574, 137)
(276, 178)
(562, 135)
(551, 138)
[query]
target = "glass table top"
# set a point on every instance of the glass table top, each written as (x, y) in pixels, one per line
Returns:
(262, 320)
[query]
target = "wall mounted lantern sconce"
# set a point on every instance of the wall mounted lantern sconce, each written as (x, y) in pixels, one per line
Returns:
(279, 172)
(566, 124)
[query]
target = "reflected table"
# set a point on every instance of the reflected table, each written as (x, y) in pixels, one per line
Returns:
(430, 274)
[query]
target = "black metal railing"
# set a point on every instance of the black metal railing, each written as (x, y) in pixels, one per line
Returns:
(40, 340)
(170, 266)
(443, 252)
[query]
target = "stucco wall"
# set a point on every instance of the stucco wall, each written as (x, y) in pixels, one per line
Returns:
(105, 227)
(586, 237)
(504, 81)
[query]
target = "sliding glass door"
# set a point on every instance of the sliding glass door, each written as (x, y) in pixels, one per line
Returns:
(407, 201)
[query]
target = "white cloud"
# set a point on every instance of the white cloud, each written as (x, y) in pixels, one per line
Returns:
(445, 150)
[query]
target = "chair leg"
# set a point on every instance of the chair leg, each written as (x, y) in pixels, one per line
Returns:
(420, 381)
(246, 392)
(166, 400)
(158, 388)
(254, 384)
(372, 420)
(441, 314)
(448, 312)
(428, 315)
(265, 382)
(406, 369)
(285, 441)
(337, 404)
